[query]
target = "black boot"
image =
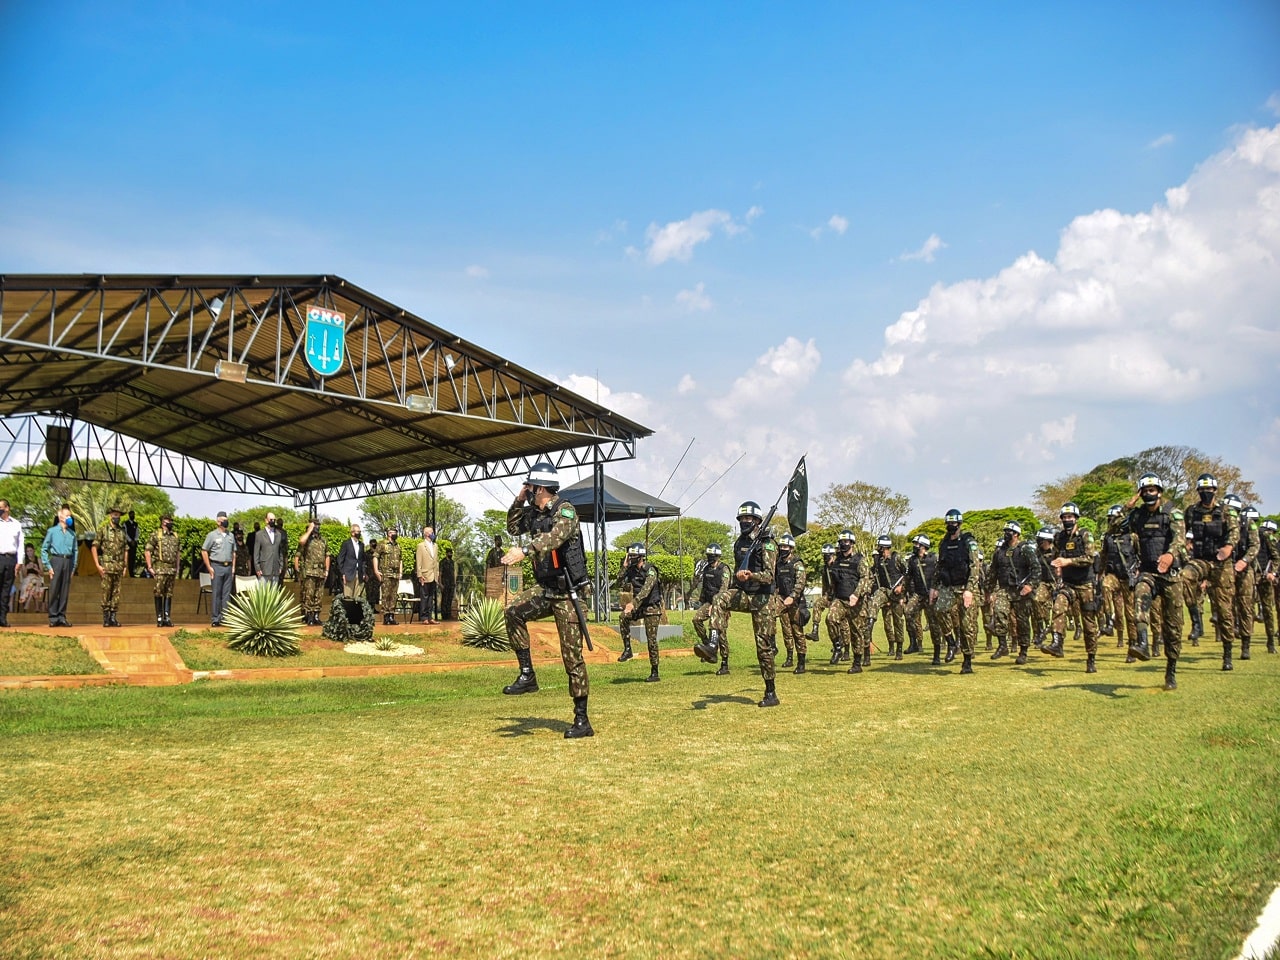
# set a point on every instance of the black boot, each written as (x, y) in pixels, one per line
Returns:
(159, 612)
(952, 648)
(167, 609)
(106, 618)
(581, 725)
(1197, 625)
(1170, 674)
(527, 681)
(724, 667)
(1040, 634)
(653, 672)
(966, 666)
(1139, 650)
(1244, 649)
(1054, 649)
(1157, 648)
(856, 665)
(1226, 656)
(835, 655)
(800, 663)
(627, 654)
(788, 662)
(1271, 644)
(898, 655)
(1022, 655)
(1090, 666)
(1001, 651)
(914, 646)
(937, 654)
(707, 651)
(866, 655)
(770, 696)
(1079, 632)
(391, 620)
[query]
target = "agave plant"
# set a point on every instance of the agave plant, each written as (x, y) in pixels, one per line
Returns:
(385, 643)
(485, 625)
(264, 621)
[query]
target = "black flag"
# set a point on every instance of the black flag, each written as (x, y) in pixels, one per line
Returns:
(798, 500)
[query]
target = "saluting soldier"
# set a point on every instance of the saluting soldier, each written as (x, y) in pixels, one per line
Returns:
(755, 555)
(312, 563)
(850, 586)
(558, 562)
(1074, 567)
(1216, 533)
(162, 553)
(388, 562)
(789, 577)
(109, 549)
(642, 600)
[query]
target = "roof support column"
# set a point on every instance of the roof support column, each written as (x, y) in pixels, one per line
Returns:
(601, 545)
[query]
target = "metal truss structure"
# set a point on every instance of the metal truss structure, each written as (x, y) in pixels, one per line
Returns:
(223, 383)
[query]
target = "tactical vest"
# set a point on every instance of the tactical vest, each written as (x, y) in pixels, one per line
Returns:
(919, 572)
(1155, 535)
(954, 561)
(1072, 545)
(713, 579)
(888, 570)
(1002, 567)
(784, 574)
(1046, 571)
(1246, 540)
(1210, 529)
(636, 575)
(1266, 552)
(740, 547)
(569, 556)
(1118, 555)
(845, 575)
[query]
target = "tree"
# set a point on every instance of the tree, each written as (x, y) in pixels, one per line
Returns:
(866, 509)
(407, 512)
(987, 526)
(667, 536)
(35, 493)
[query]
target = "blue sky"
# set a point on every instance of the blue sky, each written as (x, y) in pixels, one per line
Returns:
(777, 228)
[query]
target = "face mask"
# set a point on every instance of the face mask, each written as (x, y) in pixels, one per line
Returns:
(167, 527)
(432, 538)
(115, 521)
(746, 526)
(1068, 522)
(1206, 497)
(952, 527)
(4, 511)
(393, 538)
(71, 523)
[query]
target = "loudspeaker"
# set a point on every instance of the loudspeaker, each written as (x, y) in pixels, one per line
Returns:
(57, 444)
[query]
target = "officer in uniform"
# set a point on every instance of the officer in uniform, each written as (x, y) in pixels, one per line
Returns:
(789, 578)
(1003, 587)
(954, 590)
(1246, 562)
(1158, 527)
(1074, 565)
(161, 555)
(388, 564)
(1027, 578)
(710, 579)
(889, 594)
(1119, 577)
(850, 586)
(920, 567)
(312, 563)
(755, 555)
(642, 600)
(109, 550)
(1042, 598)
(559, 563)
(1193, 596)
(1268, 564)
(1216, 532)
(824, 600)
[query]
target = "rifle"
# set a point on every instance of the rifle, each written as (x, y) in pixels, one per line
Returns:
(573, 597)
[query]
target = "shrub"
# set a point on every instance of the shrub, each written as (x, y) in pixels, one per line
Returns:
(265, 622)
(340, 628)
(485, 625)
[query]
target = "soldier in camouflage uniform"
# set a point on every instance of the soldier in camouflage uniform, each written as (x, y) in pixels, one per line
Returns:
(1074, 566)
(312, 563)
(1216, 531)
(1268, 581)
(1161, 551)
(162, 553)
(955, 589)
(920, 567)
(888, 595)
(1025, 556)
(789, 578)
(1003, 589)
(755, 554)
(1042, 597)
(1193, 595)
(850, 587)
(641, 600)
(1246, 563)
(109, 550)
(824, 601)
(559, 564)
(710, 578)
(388, 564)
(1119, 577)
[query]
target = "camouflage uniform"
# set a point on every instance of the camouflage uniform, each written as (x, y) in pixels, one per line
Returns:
(1246, 600)
(957, 574)
(1119, 577)
(753, 596)
(553, 528)
(162, 554)
(850, 586)
(919, 573)
(1042, 604)
(1075, 547)
(820, 606)
(710, 579)
(1159, 529)
(1215, 527)
(789, 581)
(1025, 558)
(890, 598)
(313, 563)
(641, 579)
(110, 547)
(1268, 564)
(1002, 591)
(390, 559)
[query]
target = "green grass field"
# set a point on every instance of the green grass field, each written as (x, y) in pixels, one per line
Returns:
(40, 655)
(909, 811)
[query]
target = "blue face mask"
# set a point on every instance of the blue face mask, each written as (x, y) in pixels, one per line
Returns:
(433, 538)
(71, 523)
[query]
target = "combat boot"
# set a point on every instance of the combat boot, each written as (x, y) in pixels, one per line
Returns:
(1197, 625)
(835, 656)
(1108, 627)
(581, 725)
(527, 681)
(1055, 648)
(1090, 666)
(1079, 631)
(1040, 634)
(856, 667)
(770, 695)
(392, 621)
(627, 654)
(966, 666)
(788, 662)
(1139, 650)
(1001, 651)
(106, 618)
(1226, 656)
(1244, 649)
(937, 654)
(866, 655)
(952, 648)
(707, 651)
(914, 646)
(1157, 648)
(800, 657)
(111, 616)
(1271, 644)
(1022, 655)
(898, 655)
(1170, 675)
(653, 674)
(159, 612)
(724, 668)
(168, 611)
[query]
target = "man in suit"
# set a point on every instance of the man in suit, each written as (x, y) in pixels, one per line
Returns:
(269, 549)
(353, 564)
(426, 574)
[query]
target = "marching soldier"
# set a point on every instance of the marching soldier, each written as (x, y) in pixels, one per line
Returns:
(312, 562)
(109, 548)
(920, 567)
(388, 564)
(954, 590)
(161, 556)
(710, 579)
(789, 578)
(824, 601)
(642, 600)
(1193, 595)
(755, 556)
(1119, 577)
(1268, 563)
(1246, 557)
(1216, 532)
(889, 574)
(1074, 565)
(1042, 605)
(559, 564)
(1158, 527)
(1003, 587)
(850, 586)
(1025, 557)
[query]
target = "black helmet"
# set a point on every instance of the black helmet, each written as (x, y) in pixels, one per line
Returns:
(636, 550)
(828, 549)
(1150, 480)
(1206, 481)
(1233, 501)
(846, 536)
(713, 550)
(1013, 526)
(1045, 533)
(787, 540)
(953, 516)
(1250, 512)
(920, 540)
(749, 508)
(543, 474)
(1069, 509)
(884, 541)
(1114, 510)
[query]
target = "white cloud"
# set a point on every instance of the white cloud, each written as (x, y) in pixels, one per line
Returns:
(619, 229)
(694, 300)
(1273, 103)
(838, 224)
(477, 272)
(635, 406)
(927, 250)
(686, 385)
(1037, 446)
(1164, 140)
(779, 372)
(676, 240)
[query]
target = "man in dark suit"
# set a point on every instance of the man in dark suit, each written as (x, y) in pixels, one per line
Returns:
(353, 564)
(269, 549)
